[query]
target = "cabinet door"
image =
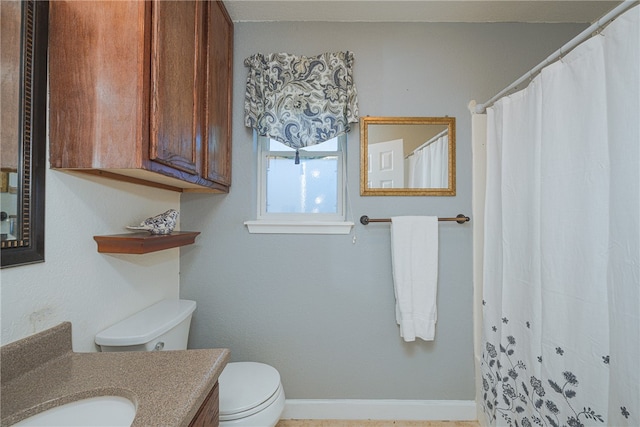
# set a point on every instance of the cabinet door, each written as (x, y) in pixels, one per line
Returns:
(98, 80)
(208, 414)
(176, 103)
(219, 83)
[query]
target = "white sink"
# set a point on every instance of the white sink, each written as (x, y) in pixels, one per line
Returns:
(114, 411)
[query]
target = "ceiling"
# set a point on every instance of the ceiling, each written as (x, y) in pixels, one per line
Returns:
(577, 11)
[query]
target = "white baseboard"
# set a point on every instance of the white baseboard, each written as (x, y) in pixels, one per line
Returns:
(365, 409)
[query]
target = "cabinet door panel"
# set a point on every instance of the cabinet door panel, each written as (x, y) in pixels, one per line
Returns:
(175, 98)
(209, 414)
(97, 57)
(219, 84)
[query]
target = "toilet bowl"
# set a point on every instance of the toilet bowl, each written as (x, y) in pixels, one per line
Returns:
(251, 393)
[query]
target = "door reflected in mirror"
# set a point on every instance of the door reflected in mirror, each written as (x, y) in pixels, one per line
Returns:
(407, 156)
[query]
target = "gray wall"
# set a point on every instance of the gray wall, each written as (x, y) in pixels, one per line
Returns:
(320, 308)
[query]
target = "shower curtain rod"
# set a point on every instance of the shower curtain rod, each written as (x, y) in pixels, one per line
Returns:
(586, 34)
(460, 219)
(429, 142)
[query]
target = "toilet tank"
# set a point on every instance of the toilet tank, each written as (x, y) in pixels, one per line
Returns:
(162, 326)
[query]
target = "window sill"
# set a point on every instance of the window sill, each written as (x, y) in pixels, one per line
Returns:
(299, 227)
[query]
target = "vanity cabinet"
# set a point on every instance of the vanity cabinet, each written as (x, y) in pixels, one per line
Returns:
(141, 92)
(208, 414)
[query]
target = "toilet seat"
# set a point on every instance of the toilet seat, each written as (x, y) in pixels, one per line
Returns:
(247, 388)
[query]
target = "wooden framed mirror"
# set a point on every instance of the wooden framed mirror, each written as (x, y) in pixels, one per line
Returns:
(24, 126)
(407, 156)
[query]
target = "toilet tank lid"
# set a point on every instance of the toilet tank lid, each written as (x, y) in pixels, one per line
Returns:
(147, 324)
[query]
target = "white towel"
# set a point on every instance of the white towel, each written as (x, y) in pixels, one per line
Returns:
(414, 255)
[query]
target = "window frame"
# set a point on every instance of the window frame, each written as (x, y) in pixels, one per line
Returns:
(300, 223)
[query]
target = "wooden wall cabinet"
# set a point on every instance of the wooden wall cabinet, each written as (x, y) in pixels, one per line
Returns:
(141, 91)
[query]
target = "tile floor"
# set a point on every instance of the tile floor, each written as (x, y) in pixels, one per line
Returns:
(374, 423)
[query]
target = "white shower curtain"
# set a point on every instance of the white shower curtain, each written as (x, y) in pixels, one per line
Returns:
(561, 287)
(429, 165)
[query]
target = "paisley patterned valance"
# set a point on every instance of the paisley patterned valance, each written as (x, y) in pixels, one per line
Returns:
(298, 100)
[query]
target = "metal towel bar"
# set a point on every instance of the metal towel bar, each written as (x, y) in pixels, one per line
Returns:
(460, 219)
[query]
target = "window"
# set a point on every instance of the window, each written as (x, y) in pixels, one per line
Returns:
(307, 197)
(312, 187)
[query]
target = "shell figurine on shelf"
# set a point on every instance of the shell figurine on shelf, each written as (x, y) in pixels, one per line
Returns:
(161, 224)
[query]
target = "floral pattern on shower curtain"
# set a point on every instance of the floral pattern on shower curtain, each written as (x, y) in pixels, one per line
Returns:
(561, 295)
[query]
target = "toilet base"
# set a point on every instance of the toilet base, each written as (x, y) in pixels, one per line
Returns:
(268, 417)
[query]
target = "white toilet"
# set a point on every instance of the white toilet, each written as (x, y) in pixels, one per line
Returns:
(251, 394)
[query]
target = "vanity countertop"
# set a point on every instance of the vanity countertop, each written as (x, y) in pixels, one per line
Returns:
(168, 387)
